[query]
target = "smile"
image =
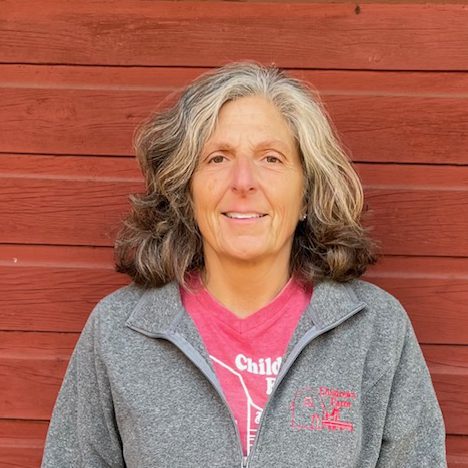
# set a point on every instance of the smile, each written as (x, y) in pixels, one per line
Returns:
(234, 215)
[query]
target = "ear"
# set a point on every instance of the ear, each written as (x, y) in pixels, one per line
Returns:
(304, 210)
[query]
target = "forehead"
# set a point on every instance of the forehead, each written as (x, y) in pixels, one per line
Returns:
(254, 117)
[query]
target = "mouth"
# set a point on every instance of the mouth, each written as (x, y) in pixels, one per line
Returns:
(237, 215)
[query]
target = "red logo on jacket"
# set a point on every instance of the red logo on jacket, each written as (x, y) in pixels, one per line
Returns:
(316, 409)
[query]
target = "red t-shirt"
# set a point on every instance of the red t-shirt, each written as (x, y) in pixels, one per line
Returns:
(246, 353)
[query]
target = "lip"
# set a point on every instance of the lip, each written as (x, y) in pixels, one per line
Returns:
(254, 214)
(254, 219)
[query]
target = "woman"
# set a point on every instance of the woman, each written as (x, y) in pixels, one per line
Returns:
(246, 338)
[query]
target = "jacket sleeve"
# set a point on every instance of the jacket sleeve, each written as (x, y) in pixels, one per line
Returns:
(83, 431)
(413, 432)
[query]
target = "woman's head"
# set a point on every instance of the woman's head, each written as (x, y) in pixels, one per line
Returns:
(248, 189)
(162, 240)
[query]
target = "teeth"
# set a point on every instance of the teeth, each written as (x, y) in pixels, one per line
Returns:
(243, 215)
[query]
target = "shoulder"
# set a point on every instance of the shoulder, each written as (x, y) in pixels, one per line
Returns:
(110, 314)
(379, 303)
(375, 314)
(120, 300)
(146, 306)
(387, 324)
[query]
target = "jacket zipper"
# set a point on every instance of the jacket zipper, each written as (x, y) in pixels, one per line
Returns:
(181, 344)
(201, 365)
(306, 339)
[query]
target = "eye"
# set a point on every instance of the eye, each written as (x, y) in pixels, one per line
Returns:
(272, 159)
(216, 159)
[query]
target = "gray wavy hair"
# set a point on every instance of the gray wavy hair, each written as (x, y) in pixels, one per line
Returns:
(160, 241)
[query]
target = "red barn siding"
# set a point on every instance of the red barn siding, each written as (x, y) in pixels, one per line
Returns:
(210, 33)
(75, 81)
(397, 117)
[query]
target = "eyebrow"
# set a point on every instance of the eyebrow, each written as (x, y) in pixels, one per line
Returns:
(262, 145)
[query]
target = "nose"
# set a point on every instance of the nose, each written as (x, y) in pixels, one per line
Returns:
(244, 177)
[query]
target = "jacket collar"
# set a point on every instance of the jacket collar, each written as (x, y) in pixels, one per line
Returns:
(160, 311)
(160, 314)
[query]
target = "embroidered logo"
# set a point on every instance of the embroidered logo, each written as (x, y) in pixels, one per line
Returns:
(316, 409)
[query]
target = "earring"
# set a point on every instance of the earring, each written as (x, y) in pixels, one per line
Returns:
(303, 217)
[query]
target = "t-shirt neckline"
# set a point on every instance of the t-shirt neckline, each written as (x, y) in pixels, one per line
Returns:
(263, 317)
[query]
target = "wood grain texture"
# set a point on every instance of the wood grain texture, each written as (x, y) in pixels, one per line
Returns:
(394, 117)
(21, 443)
(34, 365)
(449, 371)
(53, 288)
(417, 210)
(80, 122)
(64, 167)
(457, 451)
(419, 223)
(434, 291)
(49, 211)
(383, 37)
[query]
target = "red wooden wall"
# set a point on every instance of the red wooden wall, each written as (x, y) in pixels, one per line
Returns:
(76, 78)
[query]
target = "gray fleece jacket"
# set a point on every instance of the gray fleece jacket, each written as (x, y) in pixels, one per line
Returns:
(353, 390)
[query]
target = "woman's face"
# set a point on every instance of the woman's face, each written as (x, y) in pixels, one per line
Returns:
(248, 187)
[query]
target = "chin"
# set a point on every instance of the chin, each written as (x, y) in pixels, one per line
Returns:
(247, 255)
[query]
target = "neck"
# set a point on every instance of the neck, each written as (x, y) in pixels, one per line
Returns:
(245, 288)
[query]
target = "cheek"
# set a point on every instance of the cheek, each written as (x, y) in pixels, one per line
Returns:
(204, 205)
(209, 193)
(290, 201)
(199, 195)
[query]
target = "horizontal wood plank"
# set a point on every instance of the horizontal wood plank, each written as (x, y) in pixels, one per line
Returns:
(66, 296)
(457, 451)
(50, 211)
(21, 443)
(383, 37)
(170, 79)
(76, 122)
(417, 210)
(449, 371)
(63, 167)
(394, 117)
(53, 288)
(434, 291)
(411, 222)
(33, 365)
